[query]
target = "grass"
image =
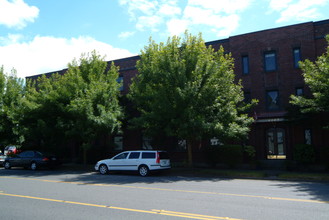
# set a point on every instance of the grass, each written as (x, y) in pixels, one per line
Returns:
(305, 176)
(255, 174)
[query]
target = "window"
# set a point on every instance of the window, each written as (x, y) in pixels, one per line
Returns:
(134, 155)
(147, 143)
(299, 92)
(118, 143)
(308, 136)
(297, 57)
(245, 64)
(120, 80)
(121, 156)
(270, 61)
(27, 154)
(148, 155)
(272, 100)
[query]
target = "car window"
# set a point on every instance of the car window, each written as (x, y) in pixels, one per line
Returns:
(148, 155)
(121, 156)
(27, 154)
(134, 155)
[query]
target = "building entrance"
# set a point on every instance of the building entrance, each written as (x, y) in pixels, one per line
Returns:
(275, 143)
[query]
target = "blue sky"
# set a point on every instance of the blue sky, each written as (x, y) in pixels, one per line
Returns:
(38, 36)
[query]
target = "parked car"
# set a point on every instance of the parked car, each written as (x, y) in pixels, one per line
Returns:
(11, 149)
(31, 159)
(141, 161)
(2, 158)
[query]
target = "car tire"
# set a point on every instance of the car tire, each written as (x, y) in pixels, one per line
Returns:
(6, 165)
(143, 170)
(33, 166)
(103, 169)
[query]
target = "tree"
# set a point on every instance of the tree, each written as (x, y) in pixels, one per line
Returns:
(11, 93)
(79, 105)
(316, 76)
(186, 90)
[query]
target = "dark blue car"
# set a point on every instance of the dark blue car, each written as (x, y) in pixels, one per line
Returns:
(31, 159)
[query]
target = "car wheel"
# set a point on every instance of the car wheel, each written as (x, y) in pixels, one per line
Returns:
(103, 169)
(33, 166)
(7, 165)
(143, 170)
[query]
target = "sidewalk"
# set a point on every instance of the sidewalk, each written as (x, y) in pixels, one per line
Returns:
(226, 173)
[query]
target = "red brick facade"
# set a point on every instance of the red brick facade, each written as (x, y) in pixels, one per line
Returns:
(271, 126)
(272, 134)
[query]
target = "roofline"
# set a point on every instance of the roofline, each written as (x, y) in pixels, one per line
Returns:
(225, 40)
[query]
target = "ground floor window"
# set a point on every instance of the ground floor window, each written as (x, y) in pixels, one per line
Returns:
(147, 143)
(118, 143)
(275, 143)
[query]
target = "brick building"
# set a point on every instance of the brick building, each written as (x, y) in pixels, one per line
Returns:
(267, 63)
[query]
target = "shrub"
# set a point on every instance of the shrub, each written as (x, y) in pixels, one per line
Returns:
(229, 155)
(304, 154)
(250, 153)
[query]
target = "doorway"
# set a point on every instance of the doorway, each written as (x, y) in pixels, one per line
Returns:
(275, 143)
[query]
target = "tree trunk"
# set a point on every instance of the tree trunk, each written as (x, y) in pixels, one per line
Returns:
(189, 153)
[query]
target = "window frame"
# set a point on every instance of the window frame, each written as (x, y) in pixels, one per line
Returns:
(266, 65)
(268, 101)
(245, 64)
(296, 64)
(297, 93)
(120, 80)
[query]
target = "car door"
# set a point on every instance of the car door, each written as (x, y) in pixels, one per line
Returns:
(20, 159)
(26, 158)
(133, 161)
(118, 162)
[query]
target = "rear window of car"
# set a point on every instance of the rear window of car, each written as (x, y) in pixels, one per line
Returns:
(148, 155)
(134, 155)
(164, 155)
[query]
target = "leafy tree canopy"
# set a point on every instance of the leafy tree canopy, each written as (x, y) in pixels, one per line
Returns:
(11, 93)
(187, 90)
(80, 105)
(316, 76)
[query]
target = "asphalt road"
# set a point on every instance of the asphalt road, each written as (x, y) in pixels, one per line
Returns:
(58, 194)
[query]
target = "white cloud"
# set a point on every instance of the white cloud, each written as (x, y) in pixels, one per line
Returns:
(46, 54)
(135, 7)
(297, 10)
(150, 14)
(177, 26)
(17, 13)
(220, 17)
(151, 22)
(169, 10)
(127, 34)
(225, 6)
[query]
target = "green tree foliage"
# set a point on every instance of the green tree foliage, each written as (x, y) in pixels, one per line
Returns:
(316, 76)
(186, 90)
(11, 93)
(79, 105)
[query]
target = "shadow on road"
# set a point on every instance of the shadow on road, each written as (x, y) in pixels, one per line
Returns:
(318, 190)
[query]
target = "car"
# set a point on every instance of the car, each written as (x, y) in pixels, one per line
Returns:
(142, 161)
(31, 159)
(11, 149)
(2, 158)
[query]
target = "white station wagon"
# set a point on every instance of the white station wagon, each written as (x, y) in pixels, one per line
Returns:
(142, 161)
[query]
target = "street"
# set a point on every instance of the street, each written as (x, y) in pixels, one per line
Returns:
(60, 194)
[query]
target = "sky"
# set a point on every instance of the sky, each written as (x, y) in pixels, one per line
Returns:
(40, 36)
